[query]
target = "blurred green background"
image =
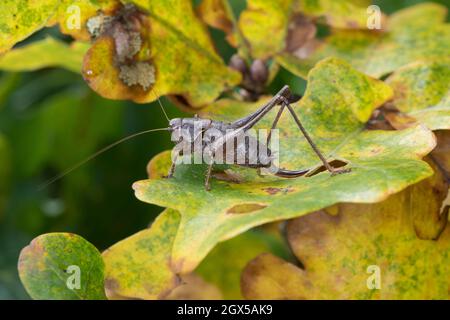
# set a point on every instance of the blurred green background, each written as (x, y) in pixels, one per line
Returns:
(49, 120)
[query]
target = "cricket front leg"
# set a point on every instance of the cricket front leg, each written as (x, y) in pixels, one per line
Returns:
(208, 177)
(172, 167)
(330, 168)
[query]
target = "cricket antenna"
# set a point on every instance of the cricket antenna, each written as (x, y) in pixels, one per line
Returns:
(91, 157)
(160, 104)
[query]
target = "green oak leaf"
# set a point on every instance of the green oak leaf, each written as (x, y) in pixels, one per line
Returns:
(47, 267)
(422, 91)
(415, 33)
(335, 108)
(395, 249)
(45, 53)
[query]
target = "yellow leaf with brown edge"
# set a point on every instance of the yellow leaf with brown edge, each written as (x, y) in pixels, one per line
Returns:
(339, 14)
(224, 264)
(194, 287)
(21, 18)
(176, 57)
(138, 267)
(422, 92)
(216, 14)
(72, 16)
(366, 251)
(415, 33)
(262, 18)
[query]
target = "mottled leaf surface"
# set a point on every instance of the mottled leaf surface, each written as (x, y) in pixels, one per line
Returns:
(422, 91)
(340, 14)
(179, 50)
(72, 15)
(343, 254)
(45, 268)
(334, 109)
(224, 264)
(262, 18)
(139, 266)
(21, 18)
(416, 33)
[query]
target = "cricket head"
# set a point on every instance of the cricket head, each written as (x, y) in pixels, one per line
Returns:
(175, 124)
(189, 123)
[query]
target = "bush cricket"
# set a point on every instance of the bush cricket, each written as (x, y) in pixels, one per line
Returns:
(229, 131)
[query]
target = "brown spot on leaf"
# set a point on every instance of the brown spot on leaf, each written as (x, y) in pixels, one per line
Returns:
(301, 30)
(400, 120)
(245, 208)
(273, 191)
(228, 176)
(352, 24)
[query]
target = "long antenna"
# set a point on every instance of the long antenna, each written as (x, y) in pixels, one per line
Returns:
(160, 104)
(112, 145)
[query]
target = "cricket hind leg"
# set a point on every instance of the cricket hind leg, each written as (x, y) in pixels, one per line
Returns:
(326, 164)
(291, 173)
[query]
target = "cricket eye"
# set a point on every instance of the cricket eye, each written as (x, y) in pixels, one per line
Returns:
(175, 123)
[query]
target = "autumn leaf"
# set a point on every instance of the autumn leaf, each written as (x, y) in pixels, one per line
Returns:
(73, 16)
(416, 33)
(224, 264)
(339, 14)
(20, 18)
(335, 108)
(45, 53)
(218, 14)
(366, 251)
(261, 18)
(48, 268)
(194, 287)
(169, 56)
(441, 154)
(422, 92)
(139, 266)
